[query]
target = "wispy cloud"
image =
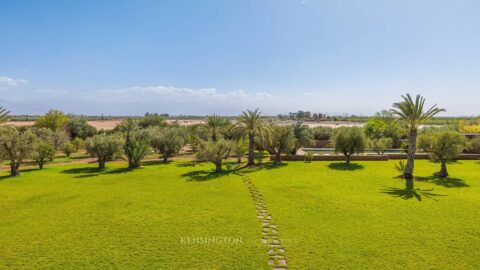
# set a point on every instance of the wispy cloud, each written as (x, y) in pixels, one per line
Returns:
(7, 82)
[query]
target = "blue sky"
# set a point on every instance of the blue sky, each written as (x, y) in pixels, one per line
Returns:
(203, 57)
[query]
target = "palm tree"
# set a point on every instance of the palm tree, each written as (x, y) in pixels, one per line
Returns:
(132, 150)
(412, 113)
(251, 124)
(214, 124)
(303, 136)
(3, 115)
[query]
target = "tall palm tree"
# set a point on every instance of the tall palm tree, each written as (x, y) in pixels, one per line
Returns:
(251, 124)
(412, 113)
(214, 124)
(3, 115)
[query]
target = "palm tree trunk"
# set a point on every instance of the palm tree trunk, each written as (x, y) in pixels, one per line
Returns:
(412, 147)
(251, 150)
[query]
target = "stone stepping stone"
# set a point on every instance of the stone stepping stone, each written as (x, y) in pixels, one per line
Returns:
(282, 262)
(281, 250)
(271, 262)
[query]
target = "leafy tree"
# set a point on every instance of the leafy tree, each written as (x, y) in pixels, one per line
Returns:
(349, 141)
(412, 113)
(168, 141)
(59, 139)
(42, 152)
(152, 120)
(3, 115)
(473, 146)
(281, 140)
(68, 148)
(78, 143)
(16, 146)
(446, 146)
(214, 152)
(303, 136)
(215, 125)
(384, 125)
(250, 124)
(53, 120)
(78, 127)
(380, 145)
(104, 148)
(322, 133)
(240, 148)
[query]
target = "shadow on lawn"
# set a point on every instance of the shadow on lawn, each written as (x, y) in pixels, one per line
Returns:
(94, 171)
(447, 182)
(407, 193)
(205, 175)
(342, 166)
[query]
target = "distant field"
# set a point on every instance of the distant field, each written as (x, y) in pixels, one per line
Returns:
(329, 216)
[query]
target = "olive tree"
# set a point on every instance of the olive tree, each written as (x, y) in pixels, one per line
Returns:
(280, 140)
(473, 146)
(68, 148)
(380, 145)
(446, 145)
(168, 141)
(214, 152)
(53, 120)
(240, 148)
(42, 152)
(349, 141)
(78, 127)
(104, 147)
(16, 146)
(137, 142)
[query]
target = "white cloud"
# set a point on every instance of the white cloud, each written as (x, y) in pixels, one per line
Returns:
(7, 82)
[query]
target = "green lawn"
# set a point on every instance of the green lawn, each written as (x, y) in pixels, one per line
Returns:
(328, 216)
(364, 219)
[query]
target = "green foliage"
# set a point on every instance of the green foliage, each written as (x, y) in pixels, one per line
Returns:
(68, 148)
(380, 145)
(384, 125)
(308, 156)
(281, 140)
(215, 125)
(16, 146)
(400, 166)
(322, 133)
(302, 135)
(446, 146)
(59, 139)
(137, 147)
(249, 125)
(349, 141)
(240, 148)
(3, 115)
(473, 146)
(42, 152)
(152, 120)
(78, 127)
(215, 152)
(104, 148)
(53, 120)
(168, 141)
(79, 143)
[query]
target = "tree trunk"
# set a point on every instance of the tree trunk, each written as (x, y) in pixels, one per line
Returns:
(14, 169)
(412, 147)
(251, 150)
(443, 170)
(165, 158)
(218, 167)
(260, 156)
(239, 159)
(278, 158)
(294, 151)
(101, 164)
(347, 159)
(40, 164)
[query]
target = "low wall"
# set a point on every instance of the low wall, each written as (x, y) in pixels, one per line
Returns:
(372, 157)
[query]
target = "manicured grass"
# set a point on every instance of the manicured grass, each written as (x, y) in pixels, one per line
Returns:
(360, 217)
(329, 216)
(75, 217)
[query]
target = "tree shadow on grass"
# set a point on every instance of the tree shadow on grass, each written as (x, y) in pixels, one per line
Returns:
(191, 163)
(342, 166)
(205, 175)
(447, 182)
(84, 172)
(407, 194)
(155, 162)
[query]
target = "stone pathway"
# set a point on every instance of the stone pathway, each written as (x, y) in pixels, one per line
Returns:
(276, 252)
